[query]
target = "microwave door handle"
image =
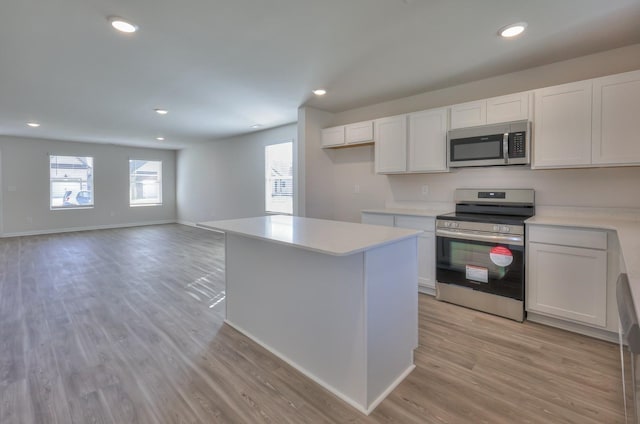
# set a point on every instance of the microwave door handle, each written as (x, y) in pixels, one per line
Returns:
(505, 147)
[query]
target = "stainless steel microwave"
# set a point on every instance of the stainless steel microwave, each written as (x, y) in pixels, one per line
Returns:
(489, 145)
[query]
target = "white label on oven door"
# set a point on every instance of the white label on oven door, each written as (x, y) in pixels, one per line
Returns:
(477, 273)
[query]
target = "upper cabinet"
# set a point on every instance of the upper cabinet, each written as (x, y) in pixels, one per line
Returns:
(562, 126)
(469, 114)
(513, 107)
(428, 141)
(391, 144)
(333, 136)
(581, 124)
(588, 123)
(616, 122)
(360, 132)
(352, 134)
(412, 143)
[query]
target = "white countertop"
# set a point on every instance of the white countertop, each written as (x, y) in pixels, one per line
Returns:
(627, 227)
(330, 237)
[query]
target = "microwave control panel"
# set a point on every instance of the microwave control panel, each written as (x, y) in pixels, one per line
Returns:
(517, 146)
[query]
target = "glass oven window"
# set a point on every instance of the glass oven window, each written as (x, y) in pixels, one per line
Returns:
(489, 267)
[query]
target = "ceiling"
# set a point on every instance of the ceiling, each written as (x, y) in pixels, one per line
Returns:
(220, 66)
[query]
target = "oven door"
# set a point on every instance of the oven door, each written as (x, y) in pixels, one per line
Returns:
(489, 263)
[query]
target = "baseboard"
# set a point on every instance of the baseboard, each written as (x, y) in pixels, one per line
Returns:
(188, 223)
(91, 228)
(585, 330)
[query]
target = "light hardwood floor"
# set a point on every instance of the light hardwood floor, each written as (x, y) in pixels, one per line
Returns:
(126, 326)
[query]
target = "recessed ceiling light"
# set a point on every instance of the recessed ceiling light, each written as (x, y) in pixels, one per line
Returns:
(160, 138)
(320, 92)
(161, 111)
(33, 124)
(512, 30)
(122, 25)
(256, 126)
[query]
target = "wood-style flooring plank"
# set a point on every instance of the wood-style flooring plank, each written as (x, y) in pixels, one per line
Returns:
(126, 326)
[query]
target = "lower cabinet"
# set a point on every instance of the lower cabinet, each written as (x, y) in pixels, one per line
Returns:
(569, 278)
(426, 243)
(568, 282)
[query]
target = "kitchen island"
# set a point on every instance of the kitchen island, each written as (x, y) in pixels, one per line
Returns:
(336, 300)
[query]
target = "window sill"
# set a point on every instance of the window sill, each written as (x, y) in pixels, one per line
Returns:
(277, 213)
(66, 208)
(142, 205)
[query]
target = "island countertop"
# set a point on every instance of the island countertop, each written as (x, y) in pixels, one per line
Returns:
(335, 238)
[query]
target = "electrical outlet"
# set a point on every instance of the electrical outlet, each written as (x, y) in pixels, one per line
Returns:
(425, 190)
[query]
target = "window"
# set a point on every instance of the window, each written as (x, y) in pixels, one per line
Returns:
(279, 178)
(70, 182)
(145, 182)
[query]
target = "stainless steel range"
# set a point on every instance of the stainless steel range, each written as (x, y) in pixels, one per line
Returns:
(480, 250)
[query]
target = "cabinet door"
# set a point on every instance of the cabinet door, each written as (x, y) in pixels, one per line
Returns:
(562, 130)
(428, 140)
(514, 107)
(616, 119)
(568, 282)
(427, 261)
(377, 219)
(333, 136)
(469, 114)
(360, 132)
(391, 144)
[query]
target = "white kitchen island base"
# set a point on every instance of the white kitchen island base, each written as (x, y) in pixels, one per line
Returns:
(350, 322)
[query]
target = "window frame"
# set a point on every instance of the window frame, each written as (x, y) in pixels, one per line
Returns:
(78, 206)
(160, 181)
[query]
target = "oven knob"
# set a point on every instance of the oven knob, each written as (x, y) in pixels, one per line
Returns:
(447, 224)
(496, 228)
(454, 225)
(505, 229)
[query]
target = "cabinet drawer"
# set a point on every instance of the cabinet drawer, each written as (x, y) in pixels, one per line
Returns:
(416, 222)
(591, 239)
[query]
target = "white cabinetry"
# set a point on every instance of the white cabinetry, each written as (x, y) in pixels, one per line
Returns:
(358, 133)
(616, 119)
(428, 141)
(333, 136)
(352, 134)
(391, 144)
(567, 275)
(562, 129)
(412, 143)
(469, 114)
(513, 107)
(426, 243)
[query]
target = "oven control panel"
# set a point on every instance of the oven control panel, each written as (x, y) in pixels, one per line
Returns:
(481, 227)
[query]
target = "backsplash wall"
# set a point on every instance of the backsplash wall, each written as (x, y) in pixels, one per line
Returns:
(357, 186)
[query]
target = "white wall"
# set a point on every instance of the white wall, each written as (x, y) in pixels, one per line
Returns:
(25, 187)
(224, 179)
(348, 167)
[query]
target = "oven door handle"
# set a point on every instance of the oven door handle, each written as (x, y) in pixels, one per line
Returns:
(491, 238)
